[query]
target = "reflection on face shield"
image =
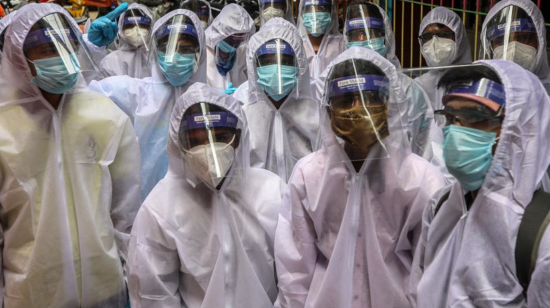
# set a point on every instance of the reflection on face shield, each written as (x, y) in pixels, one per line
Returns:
(276, 69)
(207, 139)
(51, 47)
(177, 50)
(358, 109)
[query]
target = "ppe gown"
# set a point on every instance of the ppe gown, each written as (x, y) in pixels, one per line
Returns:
(4, 23)
(346, 238)
(148, 102)
(233, 19)
(279, 138)
(466, 258)
(194, 246)
(69, 191)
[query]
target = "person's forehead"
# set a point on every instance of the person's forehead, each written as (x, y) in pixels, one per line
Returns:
(436, 27)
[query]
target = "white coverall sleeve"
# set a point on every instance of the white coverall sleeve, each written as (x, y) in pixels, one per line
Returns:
(538, 294)
(295, 250)
(154, 263)
(97, 53)
(126, 187)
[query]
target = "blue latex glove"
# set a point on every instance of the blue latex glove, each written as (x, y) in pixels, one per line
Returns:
(230, 89)
(103, 30)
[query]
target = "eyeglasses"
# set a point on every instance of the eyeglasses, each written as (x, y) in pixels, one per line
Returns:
(426, 37)
(482, 122)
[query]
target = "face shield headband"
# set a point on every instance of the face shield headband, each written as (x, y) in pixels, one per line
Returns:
(519, 25)
(359, 83)
(365, 23)
(484, 88)
(132, 20)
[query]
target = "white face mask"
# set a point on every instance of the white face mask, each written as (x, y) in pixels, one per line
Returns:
(204, 25)
(272, 12)
(136, 36)
(519, 53)
(439, 51)
(206, 167)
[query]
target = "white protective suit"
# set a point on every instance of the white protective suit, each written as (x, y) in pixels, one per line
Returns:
(463, 54)
(331, 46)
(149, 103)
(233, 19)
(346, 238)
(279, 138)
(193, 246)
(468, 256)
(541, 68)
(69, 191)
(4, 23)
(127, 59)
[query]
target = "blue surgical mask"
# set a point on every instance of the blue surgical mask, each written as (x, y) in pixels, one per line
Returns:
(277, 87)
(53, 76)
(224, 65)
(376, 44)
(179, 70)
(467, 152)
(316, 23)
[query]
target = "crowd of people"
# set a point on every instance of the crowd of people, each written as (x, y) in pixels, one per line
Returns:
(186, 161)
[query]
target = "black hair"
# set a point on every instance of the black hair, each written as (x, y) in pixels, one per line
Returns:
(372, 10)
(354, 67)
(197, 108)
(467, 74)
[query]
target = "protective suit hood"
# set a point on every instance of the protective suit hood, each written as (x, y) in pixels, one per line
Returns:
(4, 23)
(442, 15)
(233, 19)
(389, 39)
(541, 68)
(134, 6)
(289, 14)
(333, 28)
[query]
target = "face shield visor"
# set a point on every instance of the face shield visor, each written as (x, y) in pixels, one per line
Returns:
(209, 137)
(365, 28)
(511, 35)
(316, 15)
(276, 69)
(200, 8)
(226, 52)
(478, 104)
(177, 49)
(56, 54)
(136, 27)
(272, 8)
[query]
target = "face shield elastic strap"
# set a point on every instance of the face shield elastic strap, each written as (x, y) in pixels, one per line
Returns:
(137, 20)
(48, 35)
(179, 28)
(359, 83)
(483, 88)
(519, 25)
(274, 47)
(365, 23)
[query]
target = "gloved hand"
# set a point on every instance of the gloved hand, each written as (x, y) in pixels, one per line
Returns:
(104, 29)
(230, 89)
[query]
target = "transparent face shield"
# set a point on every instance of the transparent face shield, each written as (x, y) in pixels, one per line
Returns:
(209, 137)
(511, 35)
(276, 69)
(177, 49)
(226, 51)
(272, 8)
(316, 16)
(363, 29)
(201, 9)
(136, 27)
(56, 54)
(356, 104)
(477, 104)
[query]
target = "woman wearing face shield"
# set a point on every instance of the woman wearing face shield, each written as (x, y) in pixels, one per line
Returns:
(275, 8)
(134, 36)
(178, 60)
(69, 187)
(351, 215)
(226, 40)
(444, 41)
(514, 30)
(204, 236)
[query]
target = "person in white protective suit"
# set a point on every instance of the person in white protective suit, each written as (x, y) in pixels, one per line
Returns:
(204, 236)
(368, 26)
(134, 36)
(68, 186)
(4, 23)
(444, 42)
(496, 144)
(179, 61)
(318, 27)
(226, 41)
(514, 30)
(202, 9)
(276, 8)
(276, 99)
(351, 215)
